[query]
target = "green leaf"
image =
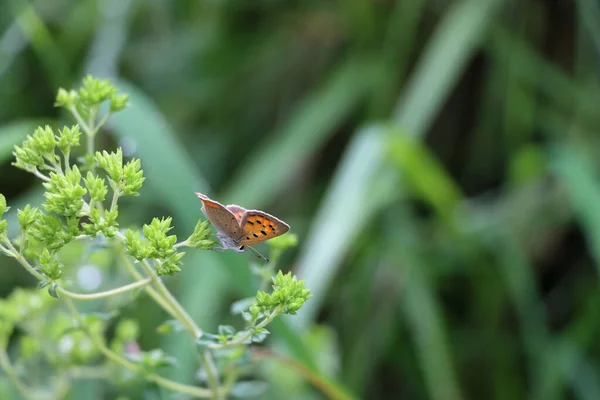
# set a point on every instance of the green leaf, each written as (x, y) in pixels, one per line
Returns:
(226, 330)
(245, 389)
(43, 284)
(3, 207)
(52, 290)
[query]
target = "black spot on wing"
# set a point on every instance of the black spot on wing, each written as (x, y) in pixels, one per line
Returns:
(250, 222)
(263, 233)
(255, 235)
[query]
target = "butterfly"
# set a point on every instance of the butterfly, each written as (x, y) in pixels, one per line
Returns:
(238, 228)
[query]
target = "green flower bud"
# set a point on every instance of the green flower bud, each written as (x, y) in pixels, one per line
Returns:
(133, 178)
(95, 91)
(200, 238)
(68, 138)
(64, 193)
(3, 207)
(27, 216)
(135, 246)
(50, 266)
(50, 232)
(43, 141)
(65, 98)
(119, 102)
(96, 187)
(112, 163)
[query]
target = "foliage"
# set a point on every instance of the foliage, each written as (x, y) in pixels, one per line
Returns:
(438, 159)
(75, 210)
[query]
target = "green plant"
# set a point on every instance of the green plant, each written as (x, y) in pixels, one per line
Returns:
(77, 212)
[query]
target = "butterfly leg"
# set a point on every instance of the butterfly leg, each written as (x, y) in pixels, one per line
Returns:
(257, 253)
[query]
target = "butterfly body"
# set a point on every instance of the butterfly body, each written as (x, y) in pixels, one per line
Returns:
(238, 227)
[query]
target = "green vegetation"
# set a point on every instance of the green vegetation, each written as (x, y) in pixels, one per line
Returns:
(437, 161)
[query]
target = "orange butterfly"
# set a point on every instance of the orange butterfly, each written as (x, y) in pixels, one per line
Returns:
(238, 228)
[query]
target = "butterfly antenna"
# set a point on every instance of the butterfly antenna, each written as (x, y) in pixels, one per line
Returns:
(257, 253)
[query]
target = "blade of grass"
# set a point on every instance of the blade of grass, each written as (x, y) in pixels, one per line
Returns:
(447, 53)
(285, 150)
(578, 177)
(424, 316)
(345, 210)
(42, 42)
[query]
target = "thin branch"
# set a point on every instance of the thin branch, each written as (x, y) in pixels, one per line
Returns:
(25, 391)
(80, 120)
(41, 176)
(248, 335)
(107, 293)
(151, 291)
(111, 355)
(17, 256)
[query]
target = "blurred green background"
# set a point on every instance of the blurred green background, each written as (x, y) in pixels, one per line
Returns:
(438, 159)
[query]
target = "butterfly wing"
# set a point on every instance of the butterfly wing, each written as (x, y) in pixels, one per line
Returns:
(237, 211)
(257, 226)
(222, 219)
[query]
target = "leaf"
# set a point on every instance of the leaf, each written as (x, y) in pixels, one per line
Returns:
(238, 307)
(226, 330)
(52, 291)
(248, 389)
(43, 284)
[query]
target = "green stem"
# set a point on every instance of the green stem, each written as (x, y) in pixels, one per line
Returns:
(248, 335)
(80, 120)
(116, 194)
(41, 176)
(151, 292)
(15, 254)
(162, 295)
(26, 392)
(101, 123)
(111, 355)
(23, 242)
(107, 293)
(328, 388)
(180, 312)
(67, 165)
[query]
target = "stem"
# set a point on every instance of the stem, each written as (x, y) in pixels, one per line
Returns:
(116, 194)
(181, 314)
(66, 158)
(107, 293)
(80, 120)
(248, 335)
(181, 244)
(328, 388)
(26, 392)
(15, 254)
(162, 296)
(101, 123)
(211, 372)
(41, 176)
(159, 380)
(153, 293)
(23, 242)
